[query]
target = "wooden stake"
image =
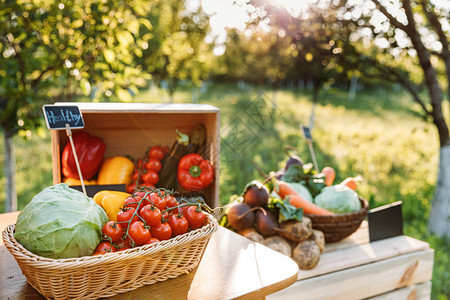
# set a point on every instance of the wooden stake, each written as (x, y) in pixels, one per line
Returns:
(307, 135)
(313, 155)
(69, 134)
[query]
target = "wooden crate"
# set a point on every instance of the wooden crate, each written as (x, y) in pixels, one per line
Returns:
(396, 268)
(131, 128)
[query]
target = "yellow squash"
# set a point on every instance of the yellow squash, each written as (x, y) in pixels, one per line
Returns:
(116, 170)
(111, 201)
(74, 181)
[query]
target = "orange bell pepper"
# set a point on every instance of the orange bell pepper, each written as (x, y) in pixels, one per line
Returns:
(111, 202)
(74, 181)
(116, 170)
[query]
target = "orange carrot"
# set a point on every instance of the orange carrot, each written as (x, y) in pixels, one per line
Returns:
(286, 192)
(352, 182)
(330, 174)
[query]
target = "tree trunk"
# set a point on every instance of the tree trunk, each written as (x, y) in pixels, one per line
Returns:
(10, 172)
(353, 87)
(439, 221)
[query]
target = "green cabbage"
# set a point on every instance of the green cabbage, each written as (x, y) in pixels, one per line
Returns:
(338, 199)
(301, 190)
(60, 222)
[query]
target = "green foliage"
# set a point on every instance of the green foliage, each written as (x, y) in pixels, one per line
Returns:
(174, 48)
(33, 155)
(57, 50)
(377, 136)
(279, 48)
(286, 210)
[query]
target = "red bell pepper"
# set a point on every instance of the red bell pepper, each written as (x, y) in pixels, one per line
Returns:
(194, 172)
(90, 151)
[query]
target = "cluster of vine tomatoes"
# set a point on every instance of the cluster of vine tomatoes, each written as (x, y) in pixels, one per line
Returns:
(149, 215)
(147, 168)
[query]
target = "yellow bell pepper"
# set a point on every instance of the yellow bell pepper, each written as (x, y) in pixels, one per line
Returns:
(74, 181)
(111, 201)
(116, 170)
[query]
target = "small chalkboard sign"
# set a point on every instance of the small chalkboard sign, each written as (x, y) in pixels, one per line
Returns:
(57, 116)
(306, 133)
(385, 221)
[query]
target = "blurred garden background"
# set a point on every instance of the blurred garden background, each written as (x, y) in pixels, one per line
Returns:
(370, 78)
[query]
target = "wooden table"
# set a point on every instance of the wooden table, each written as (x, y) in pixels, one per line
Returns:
(232, 267)
(396, 268)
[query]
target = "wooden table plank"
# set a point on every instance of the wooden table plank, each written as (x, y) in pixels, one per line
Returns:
(359, 237)
(232, 267)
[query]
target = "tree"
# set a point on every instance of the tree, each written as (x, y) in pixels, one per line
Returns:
(416, 31)
(176, 49)
(51, 51)
(288, 48)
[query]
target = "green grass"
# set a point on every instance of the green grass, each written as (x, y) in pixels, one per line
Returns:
(378, 135)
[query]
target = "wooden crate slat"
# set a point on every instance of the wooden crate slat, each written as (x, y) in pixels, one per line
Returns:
(109, 107)
(363, 281)
(420, 291)
(363, 254)
(131, 128)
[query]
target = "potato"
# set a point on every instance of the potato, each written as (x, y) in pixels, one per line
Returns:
(306, 254)
(252, 234)
(279, 244)
(319, 238)
(296, 231)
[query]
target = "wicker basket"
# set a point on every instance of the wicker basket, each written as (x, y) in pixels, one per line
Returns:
(92, 277)
(339, 226)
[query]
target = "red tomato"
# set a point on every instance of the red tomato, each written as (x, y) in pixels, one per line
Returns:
(140, 194)
(140, 163)
(123, 245)
(182, 209)
(179, 224)
(112, 231)
(165, 216)
(152, 240)
(195, 218)
(166, 150)
(162, 231)
(151, 214)
(131, 187)
(151, 177)
(171, 201)
(103, 248)
(138, 234)
(153, 164)
(125, 215)
(156, 152)
(130, 202)
(135, 176)
(146, 185)
(156, 200)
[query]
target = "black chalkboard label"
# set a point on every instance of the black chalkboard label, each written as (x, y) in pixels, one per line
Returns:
(385, 221)
(306, 133)
(57, 116)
